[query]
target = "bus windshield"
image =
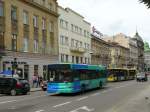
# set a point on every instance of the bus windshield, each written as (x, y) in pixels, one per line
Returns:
(60, 76)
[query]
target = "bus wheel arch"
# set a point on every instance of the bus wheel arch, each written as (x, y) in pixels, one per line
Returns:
(100, 84)
(83, 88)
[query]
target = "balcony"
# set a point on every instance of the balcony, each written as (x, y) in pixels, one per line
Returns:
(26, 28)
(78, 49)
(81, 49)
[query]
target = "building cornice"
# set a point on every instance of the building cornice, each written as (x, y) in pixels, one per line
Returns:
(36, 5)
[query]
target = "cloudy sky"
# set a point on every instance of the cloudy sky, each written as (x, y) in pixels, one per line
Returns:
(114, 16)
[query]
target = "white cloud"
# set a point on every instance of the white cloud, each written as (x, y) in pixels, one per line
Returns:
(114, 16)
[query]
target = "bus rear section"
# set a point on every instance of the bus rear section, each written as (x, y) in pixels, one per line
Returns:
(73, 78)
(117, 74)
(131, 74)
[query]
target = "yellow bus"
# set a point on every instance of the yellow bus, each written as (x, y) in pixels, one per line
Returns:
(131, 74)
(120, 74)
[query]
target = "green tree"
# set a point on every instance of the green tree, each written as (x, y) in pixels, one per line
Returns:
(146, 47)
(147, 2)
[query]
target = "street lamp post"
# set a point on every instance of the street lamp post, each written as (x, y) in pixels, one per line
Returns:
(14, 66)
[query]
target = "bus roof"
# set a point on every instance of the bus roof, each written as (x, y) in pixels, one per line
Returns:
(117, 68)
(76, 66)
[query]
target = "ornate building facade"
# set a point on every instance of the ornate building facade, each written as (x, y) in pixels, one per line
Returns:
(129, 43)
(119, 56)
(101, 52)
(28, 35)
(140, 46)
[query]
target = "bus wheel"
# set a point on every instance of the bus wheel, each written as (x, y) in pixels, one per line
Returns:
(100, 85)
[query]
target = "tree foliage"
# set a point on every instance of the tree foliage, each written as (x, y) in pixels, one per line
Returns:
(146, 47)
(147, 2)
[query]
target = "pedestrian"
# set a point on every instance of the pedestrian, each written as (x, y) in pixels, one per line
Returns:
(40, 80)
(34, 80)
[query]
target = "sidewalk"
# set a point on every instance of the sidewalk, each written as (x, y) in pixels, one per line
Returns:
(140, 102)
(35, 89)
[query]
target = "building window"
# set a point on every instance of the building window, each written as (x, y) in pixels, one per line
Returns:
(43, 23)
(36, 70)
(80, 44)
(25, 17)
(77, 59)
(25, 44)
(51, 26)
(67, 58)
(80, 31)
(88, 34)
(72, 27)
(1, 9)
(85, 33)
(62, 57)
(35, 21)
(14, 42)
(81, 59)
(44, 46)
(36, 46)
(64, 40)
(85, 60)
(63, 24)
(72, 59)
(13, 13)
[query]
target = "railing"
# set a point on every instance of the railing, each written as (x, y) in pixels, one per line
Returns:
(26, 28)
(77, 49)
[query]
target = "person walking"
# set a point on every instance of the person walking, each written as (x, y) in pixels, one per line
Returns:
(40, 80)
(34, 80)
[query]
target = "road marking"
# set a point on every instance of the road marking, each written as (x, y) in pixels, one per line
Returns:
(59, 105)
(109, 90)
(24, 99)
(82, 98)
(104, 91)
(39, 111)
(85, 108)
(95, 94)
(8, 101)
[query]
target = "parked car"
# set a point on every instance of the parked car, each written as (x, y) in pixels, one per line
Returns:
(141, 77)
(44, 85)
(14, 86)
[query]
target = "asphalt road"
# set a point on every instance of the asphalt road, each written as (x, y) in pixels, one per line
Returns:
(103, 100)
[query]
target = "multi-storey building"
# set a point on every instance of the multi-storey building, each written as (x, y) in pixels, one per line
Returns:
(28, 35)
(129, 43)
(100, 51)
(74, 37)
(140, 46)
(119, 56)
